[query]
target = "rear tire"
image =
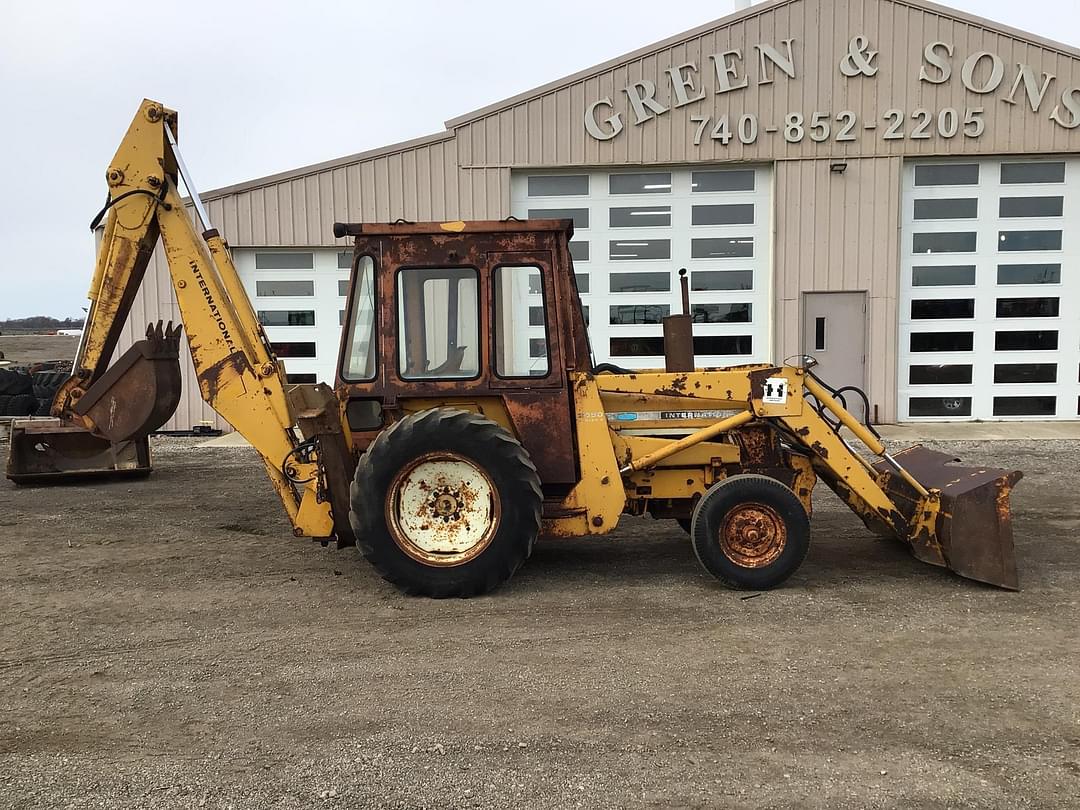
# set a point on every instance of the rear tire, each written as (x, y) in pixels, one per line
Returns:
(751, 532)
(446, 503)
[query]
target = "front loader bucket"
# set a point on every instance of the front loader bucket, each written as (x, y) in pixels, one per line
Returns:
(139, 392)
(46, 451)
(971, 534)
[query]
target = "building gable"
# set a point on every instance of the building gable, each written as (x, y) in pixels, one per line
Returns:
(798, 79)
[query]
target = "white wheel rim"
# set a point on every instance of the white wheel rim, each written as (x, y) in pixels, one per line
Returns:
(443, 509)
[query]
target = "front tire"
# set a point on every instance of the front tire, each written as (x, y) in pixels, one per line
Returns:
(750, 532)
(446, 503)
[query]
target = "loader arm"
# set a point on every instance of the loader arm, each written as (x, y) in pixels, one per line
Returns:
(237, 372)
(950, 516)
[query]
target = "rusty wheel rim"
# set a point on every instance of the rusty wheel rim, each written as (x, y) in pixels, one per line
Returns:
(753, 535)
(442, 509)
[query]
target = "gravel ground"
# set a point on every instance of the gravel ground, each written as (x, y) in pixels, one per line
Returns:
(167, 643)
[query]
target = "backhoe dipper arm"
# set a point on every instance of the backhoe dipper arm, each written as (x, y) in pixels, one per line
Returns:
(238, 375)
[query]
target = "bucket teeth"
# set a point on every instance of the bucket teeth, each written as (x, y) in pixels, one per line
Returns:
(162, 340)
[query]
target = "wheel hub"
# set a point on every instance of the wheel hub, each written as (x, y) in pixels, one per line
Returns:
(753, 535)
(442, 509)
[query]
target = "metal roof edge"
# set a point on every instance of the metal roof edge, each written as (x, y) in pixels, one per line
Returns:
(754, 10)
(315, 168)
(760, 8)
(993, 25)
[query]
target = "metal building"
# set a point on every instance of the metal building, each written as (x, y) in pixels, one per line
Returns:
(884, 184)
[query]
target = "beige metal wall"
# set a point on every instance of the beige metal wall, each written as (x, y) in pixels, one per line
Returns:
(546, 128)
(840, 232)
(416, 182)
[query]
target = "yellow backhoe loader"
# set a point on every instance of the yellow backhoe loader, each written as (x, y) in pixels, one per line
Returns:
(451, 440)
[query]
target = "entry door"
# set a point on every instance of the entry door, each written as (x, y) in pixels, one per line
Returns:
(834, 333)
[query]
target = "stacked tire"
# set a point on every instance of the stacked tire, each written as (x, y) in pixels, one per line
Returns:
(46, 384)
(28, 394)
(17, 394)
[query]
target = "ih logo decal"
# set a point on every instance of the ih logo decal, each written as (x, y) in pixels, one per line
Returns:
(775, 391)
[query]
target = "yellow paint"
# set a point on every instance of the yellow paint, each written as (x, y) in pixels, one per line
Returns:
(593, 506)
(238, 376)
(454, 227)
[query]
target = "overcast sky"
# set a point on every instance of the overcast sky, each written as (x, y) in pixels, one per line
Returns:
(269, 86)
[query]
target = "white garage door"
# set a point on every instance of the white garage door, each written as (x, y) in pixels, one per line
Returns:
(990, 285)
(634, 230)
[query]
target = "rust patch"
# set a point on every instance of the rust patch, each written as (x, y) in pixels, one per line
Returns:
(220, 373)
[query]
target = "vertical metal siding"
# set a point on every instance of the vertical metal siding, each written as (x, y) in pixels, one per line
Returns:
(840, 232)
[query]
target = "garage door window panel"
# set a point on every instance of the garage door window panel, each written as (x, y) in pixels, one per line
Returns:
(558, 185)
(942, 308)
(944, 242)
(1027, 307)
(640, 282)
(640, 183)
(291, 317)
(579, 251)
(621, 250)
(939, 406)
(722, 180)
(1025, 406)
(731, 214)
(947, 208)
(624, 314)
(1012, 241)
(945, 374)
(580, 216)
(1026, 340)
(654, 216)
(636, 346)
(1012, 207)
(718, 280)
(1029, 274)
(1015, 373)
(284, 288)
(947, 174)
(1037, 172)
(722, 247)
(287, 260)
(942, 341)
(721, 313)
(301, 348)
(947, 275)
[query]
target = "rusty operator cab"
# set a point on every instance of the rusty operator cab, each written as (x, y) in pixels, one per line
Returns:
(418, 330)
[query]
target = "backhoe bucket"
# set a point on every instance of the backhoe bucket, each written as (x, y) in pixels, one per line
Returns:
(111, 421)
(971, 534)
(139, 392)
